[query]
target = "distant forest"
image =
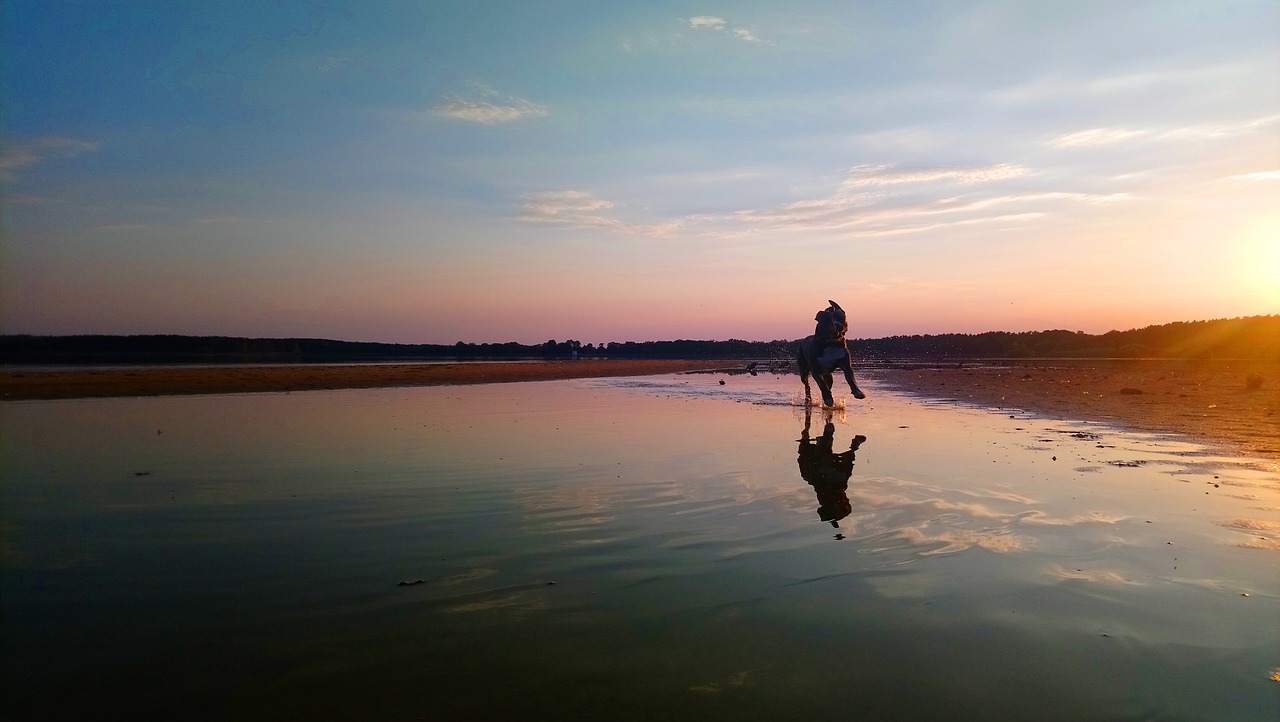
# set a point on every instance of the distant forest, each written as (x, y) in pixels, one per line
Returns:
(1253, 337)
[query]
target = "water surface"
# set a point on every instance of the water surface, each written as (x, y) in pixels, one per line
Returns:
(660, 547)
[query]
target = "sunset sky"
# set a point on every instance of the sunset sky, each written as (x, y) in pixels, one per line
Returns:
(432, 172)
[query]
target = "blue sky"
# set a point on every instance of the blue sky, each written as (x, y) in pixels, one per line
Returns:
(494, 171)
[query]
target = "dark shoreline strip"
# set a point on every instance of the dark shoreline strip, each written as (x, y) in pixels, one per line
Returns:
(169, 380)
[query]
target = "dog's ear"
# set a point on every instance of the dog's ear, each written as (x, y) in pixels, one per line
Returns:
(834, 305)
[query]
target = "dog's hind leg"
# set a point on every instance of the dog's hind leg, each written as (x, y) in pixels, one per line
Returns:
(811, 365)
(803, 366)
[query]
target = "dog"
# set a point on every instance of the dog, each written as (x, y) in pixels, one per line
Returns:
(824, 352)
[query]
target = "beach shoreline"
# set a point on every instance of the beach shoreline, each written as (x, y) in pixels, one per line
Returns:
(193, 380)
(1234, 406)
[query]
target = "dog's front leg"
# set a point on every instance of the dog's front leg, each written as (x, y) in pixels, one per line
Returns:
(847, 367)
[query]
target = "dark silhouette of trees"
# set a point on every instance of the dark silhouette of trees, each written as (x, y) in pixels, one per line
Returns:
(1252, 337)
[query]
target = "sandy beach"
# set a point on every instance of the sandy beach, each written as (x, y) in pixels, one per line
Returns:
(1234, 406)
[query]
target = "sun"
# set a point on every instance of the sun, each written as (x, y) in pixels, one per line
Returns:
(1258, 259)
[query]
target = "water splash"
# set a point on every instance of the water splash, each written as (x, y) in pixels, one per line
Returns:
(797, 399)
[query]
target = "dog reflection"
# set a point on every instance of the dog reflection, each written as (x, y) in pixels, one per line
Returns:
(828, 472)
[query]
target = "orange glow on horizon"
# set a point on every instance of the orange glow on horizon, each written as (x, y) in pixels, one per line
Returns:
(1258, 258)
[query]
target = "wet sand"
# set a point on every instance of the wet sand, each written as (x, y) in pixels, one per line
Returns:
(1215, 403)
(1233, 406)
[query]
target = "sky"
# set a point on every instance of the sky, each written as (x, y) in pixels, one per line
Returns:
(434, 172)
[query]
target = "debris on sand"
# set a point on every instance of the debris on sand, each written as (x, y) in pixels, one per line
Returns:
(408, 583)
(1128, 390)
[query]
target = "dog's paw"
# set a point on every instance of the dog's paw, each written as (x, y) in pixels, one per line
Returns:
(857, 394)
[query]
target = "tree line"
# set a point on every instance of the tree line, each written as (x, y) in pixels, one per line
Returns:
(1252, 337)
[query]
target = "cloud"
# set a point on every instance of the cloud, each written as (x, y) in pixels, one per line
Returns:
(579, 209)
(1266, 175)
(711, 22)
(1211, 131)
(881, 175)
(707, 21)
(860, 216)
(25, 155)
(877, 201)
(1095, 136)
(490, 113)
(558, 205)
(884, 230)
(872, 202)
(488, 107)
(1203, 131)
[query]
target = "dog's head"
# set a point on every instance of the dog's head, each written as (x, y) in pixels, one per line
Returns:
(832, 322)
(838, 316)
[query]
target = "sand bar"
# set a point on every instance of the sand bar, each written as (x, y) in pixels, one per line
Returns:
(1233, 406)
(1237, 407)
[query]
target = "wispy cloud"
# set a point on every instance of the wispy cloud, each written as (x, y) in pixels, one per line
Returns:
(872, 201)
(719, 24)
(875, 226)
(1266, 175)
(1211, 131)
(885, 175)
(21, 156)
(490, 113)
(568, 206)
(489, 107)
(1202, 131)
(580, 209)
(1095, 136)
(872, 215)
(708, 21)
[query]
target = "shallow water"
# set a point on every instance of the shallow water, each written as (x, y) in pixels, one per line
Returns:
(651, 548)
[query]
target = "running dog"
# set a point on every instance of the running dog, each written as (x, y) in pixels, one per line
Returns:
(824, 352)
